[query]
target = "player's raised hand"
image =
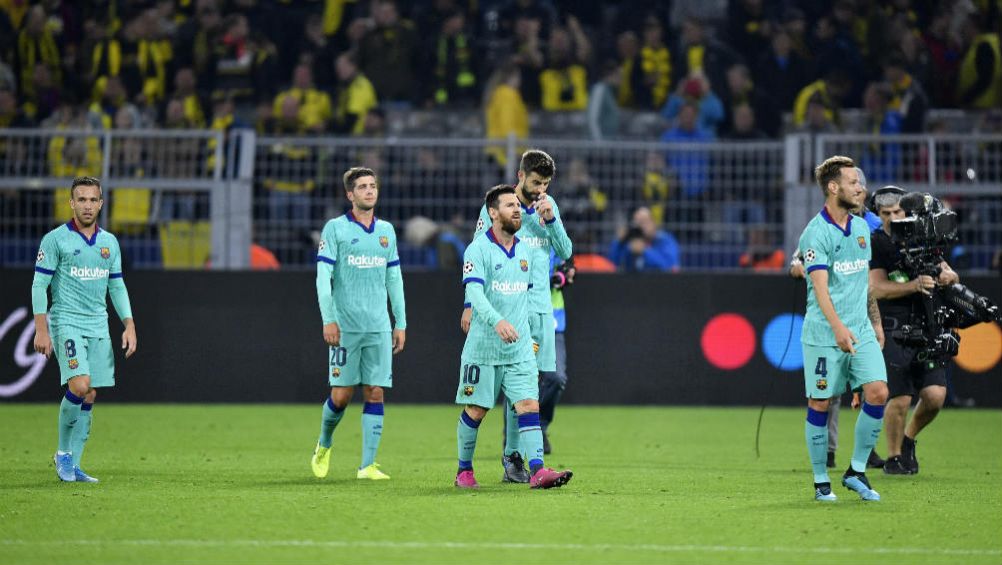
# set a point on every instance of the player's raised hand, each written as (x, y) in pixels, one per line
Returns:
(506, 331)
(332, 334)
(43, 343)
(845, 339)
(544, 207)
(464, 320)
(129, 343)
(399, 337)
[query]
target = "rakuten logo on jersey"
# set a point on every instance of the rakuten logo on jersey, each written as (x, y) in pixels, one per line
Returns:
(509, 287)
(89, 274)
(536, 241)
(366, 261)
(851, 267)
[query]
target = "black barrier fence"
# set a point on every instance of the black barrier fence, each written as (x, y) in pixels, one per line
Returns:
(256, 337)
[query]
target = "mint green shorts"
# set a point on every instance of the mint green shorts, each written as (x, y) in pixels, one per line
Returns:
(79, 355)
(480, 384)
(362, 358)
(828, 370)
(544, 340)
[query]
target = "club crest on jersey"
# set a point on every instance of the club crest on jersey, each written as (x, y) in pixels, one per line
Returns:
(535, 347)
(384, 241)
(467, 267)
(105, 253)
(468, 390)
(524, 265)
(41, 256)
(861, 241)
(335, 372)
(822, 384)
(73, 363)
(809, 255)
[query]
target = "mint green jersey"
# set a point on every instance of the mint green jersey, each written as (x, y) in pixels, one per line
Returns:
(498, 283)
(845, 254)
(539, 236)
(81, 272)
(363, 265)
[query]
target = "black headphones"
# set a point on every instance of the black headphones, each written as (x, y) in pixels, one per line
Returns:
(871, 202)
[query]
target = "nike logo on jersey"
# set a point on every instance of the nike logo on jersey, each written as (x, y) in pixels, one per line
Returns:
(89, 274)
(366, 261)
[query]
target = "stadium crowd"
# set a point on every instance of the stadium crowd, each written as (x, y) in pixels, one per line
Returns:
(733, 70)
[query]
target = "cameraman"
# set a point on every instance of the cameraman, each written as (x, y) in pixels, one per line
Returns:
(644, 246)
(899, 299)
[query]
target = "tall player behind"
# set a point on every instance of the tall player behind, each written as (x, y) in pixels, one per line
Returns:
(83, 264)
(842, 326)
(541, 231)
(497, 356)
(358, 257)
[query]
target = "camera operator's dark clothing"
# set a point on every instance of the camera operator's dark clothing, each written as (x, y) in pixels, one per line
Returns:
(906, 375)
(887, 256)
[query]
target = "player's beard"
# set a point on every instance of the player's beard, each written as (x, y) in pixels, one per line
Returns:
(78, 218)
(511, 225)
(847, 203)
(363, 206)
(529, 195)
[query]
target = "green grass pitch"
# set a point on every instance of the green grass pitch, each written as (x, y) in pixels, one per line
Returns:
(232, 484)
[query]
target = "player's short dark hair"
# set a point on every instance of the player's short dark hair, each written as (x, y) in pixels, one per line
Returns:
(493, 198)
(86, 181)
(355, 173)
(831, 170)
(539, 162)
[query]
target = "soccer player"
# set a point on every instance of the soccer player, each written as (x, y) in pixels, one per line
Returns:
(358, 257)
(842, 326)
(835, 403)
(498, 356)
(542, 231)
(83, 264)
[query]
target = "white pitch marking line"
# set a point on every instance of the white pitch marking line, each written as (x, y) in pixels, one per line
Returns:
(510, 546)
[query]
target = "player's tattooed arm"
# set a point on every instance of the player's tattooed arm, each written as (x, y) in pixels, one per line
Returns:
(873, 312)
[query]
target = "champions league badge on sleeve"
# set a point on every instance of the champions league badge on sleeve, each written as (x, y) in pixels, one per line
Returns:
(467, 267)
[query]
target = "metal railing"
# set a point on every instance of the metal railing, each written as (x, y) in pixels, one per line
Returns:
(964, 171)
(171, 196)
(708, 196)
(184, 199)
